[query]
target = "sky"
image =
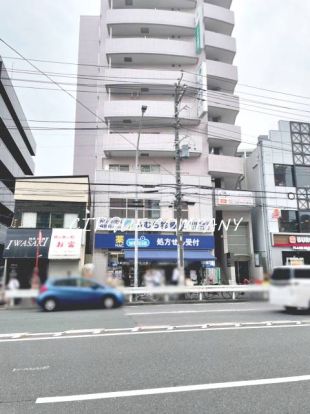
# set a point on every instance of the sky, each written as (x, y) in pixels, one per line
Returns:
(273, 40)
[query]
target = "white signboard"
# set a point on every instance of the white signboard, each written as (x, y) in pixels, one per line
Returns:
(65, 244)
(116, 224)
(234, 198)
(202, 103)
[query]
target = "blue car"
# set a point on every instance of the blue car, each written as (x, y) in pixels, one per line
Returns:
(77, 292)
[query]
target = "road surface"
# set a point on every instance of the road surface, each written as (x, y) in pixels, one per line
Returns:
(205, 358)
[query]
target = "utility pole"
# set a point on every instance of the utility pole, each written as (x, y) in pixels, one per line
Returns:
(136, 253)
(178, 95)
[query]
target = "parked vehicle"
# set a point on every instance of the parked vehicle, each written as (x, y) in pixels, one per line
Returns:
(77, 292)
(290, 287)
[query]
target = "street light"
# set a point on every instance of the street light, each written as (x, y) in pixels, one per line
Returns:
(136, 262)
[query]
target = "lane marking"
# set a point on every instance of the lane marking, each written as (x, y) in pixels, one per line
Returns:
(153, 327)
(194, 311)
(175, 329)
(31, 369)
(171, 390)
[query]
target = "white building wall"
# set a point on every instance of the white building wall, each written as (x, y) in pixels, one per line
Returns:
(158, 61)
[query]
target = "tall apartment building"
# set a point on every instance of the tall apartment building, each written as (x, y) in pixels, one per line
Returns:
(134, 53)
(17, 146)
(279, 170)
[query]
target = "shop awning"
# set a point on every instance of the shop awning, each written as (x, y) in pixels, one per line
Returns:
(169, 255)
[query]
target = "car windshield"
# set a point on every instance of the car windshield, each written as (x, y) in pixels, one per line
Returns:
(281, 274)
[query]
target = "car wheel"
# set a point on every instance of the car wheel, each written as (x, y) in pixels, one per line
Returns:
(109, 302)
(290, 308)
(50, 305)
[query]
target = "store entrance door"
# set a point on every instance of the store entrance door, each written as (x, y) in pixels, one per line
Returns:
(242, 271)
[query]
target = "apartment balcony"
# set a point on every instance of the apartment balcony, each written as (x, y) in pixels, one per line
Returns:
(126, 114)
(151, 145)
(234, 200)
(220, 47)
(154, 4)
(223, 106)
(222, 76)
(224, 135)
(147, 81)
(150, 51)
(144, 81)
(149, 23)
(221, 3)
(223, 165)
(114, 179)
(218, 19)
(7, 160)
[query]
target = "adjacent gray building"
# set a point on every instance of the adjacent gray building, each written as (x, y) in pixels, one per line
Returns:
(279, 171)
(17, 147)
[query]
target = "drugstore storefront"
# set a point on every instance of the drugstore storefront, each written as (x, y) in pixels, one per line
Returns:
(155, 250)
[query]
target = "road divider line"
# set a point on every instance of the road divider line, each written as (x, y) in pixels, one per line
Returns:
(32, 369)
(176, 312)
(172, 390)
(203, 328)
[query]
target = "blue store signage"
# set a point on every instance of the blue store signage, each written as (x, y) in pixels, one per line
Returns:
(151, 241)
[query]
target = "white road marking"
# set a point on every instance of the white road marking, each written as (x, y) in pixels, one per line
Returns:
(134, 331)
(194, 311)
(31, 369)
(171, 390)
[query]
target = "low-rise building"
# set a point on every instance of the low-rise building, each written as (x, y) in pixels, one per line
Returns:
(278, 171)
(48, 228)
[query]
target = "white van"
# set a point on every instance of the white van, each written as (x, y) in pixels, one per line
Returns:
(290, 287)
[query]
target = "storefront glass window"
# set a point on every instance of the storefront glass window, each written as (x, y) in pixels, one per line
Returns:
(304, 221)
(283, 175)
(288, 221)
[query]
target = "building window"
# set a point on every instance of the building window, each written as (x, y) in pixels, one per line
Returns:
(288, 222)
(215, 150)
(283, 175)
(184, 211)
(150, 168)
(304, 221)
(43, 220)
(126, 208)
(57, 220)
(71, 221)
(118, 167)
(29, 220)
(302, 177)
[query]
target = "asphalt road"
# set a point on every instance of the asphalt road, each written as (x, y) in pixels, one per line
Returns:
(228, 358)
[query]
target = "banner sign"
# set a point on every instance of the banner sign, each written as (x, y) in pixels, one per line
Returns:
(294, 241)
(23, 243)
(65, 244)
(234, 198)
(151, 241)
(118, 224)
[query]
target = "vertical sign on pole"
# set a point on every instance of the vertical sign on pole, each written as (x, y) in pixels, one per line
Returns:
(202, 103)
